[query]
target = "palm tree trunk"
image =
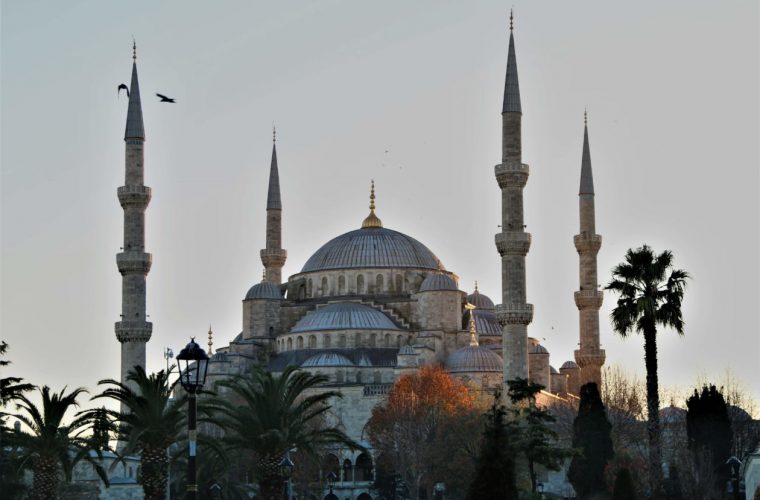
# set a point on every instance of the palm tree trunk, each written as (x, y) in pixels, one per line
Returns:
(153, 473)
(270, 482)
(45, 480)
(653, 410)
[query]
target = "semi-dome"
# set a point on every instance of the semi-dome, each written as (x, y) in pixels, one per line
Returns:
(479, 300)
(474, 359)
(568, 365)
(344, 316)
(327, 359)
(437, 282)
(264, 290)
(372, 247)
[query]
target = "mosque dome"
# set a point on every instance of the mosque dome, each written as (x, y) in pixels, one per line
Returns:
(327, 359)
(372, 247)
(553, 370)
(474, 359)
(437, 282)
(568, 365)
(479, 300)
(537, 349)
(264, 290)
(344, 316)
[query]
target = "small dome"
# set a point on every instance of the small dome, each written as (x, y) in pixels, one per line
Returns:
(537, 349)
(344, 316)
(264, 290)
(568, 365)
(474, 359)
(480, 301)
(438, 281)
(672, 414)
(327, 359)
(553, 370)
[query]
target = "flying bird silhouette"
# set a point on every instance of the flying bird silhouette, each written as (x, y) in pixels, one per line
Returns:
(122, 87)
(164, 98)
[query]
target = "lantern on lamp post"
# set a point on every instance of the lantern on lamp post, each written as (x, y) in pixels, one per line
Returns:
(193, 363)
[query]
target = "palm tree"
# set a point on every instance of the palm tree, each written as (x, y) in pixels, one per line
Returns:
(150, 421)
(10, 386)
(269, 415)
(53, 447)
(650, 295)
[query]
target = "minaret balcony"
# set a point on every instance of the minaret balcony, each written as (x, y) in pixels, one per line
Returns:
(134, 196)
(512, 174)
(590, 357)
(133, 331)
(587, 242)
(273, 256)
(134, 262)
(513, 243)
(589, 299)
(514, 314)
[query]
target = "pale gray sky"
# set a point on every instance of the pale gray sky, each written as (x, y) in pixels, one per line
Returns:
(671, 88)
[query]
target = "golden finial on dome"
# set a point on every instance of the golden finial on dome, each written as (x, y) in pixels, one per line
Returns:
(210, 340)
(372, 220)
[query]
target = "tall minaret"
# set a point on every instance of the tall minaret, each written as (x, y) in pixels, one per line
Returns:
(513, 243)
(273, 256)
(133, 331)
(589, 357)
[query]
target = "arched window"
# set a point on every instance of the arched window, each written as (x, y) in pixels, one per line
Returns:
(326, 341)
(309, 288)
(330, 464)
(387, 340)
(399, 341)
(299, 342)
(360, 284)
(357, 339)
(312, 342)
(341, 340)
(340, 376)
(399, 283)
(347, 476)
(364, 468)
(358, 376)
(341, 285)
(290, 344)
(379, 284)
(325, 291)
(372, 339)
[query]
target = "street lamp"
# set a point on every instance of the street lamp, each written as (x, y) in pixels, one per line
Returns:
(193, 363)
(540, 490)
(331, 477)
(286, 471)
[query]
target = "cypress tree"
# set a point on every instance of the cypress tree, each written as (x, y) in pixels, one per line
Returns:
(591, 436)
(495, 467)
(624, 488)
(708, 428)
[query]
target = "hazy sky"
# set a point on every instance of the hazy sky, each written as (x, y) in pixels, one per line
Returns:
(671, 89)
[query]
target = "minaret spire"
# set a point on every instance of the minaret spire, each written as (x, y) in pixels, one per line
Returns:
(514, 313)
(133, 331)
(590, 357)
(273, 256)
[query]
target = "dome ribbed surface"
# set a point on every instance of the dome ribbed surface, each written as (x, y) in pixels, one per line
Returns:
(438, 281)
(480, 301)
(568, 364)
(344, 317)
(327, 359)
(474, 359)
(537, 349)
(264, 290)
(371, 247)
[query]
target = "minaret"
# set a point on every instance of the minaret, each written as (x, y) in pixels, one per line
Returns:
(273, 256)
(588, 299)
(133, 331)
(513, 243)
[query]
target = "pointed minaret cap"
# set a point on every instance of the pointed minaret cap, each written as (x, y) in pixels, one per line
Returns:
(511, 84)
(372, 220)
(273, 195)
(134, 129)
(587, 178)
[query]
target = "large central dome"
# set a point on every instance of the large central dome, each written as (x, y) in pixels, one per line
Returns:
(372, 247)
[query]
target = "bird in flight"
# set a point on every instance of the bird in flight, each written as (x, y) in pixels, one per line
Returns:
(122, 87)
(164, 98)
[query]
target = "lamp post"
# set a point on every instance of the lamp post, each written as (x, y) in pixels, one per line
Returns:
(540, 490)
(735, 464)
(168, 354)
(331, 477)
(286, 471)
(193, 362)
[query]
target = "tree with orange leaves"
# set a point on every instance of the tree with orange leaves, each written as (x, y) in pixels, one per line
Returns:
(427, 431)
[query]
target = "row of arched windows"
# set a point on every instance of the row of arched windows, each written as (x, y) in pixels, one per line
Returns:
(363, 285)
(341, 341)
(362, 470)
